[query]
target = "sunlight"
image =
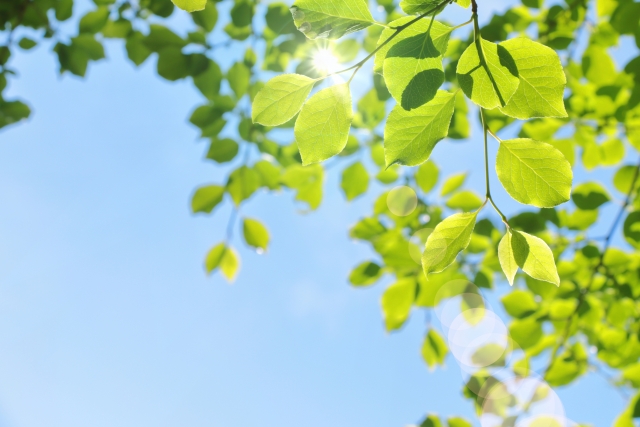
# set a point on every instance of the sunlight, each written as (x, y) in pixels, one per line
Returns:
(325, 61)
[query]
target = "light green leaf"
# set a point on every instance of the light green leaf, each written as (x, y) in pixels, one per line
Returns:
(281, 99)
(242, 183)
(413, 66)
(190, 5)
(223, 257)
(530, 253)
(632, 229)
(307, 181)
(533, 172)
(465, 200)
(611, 152)
(367, 273)
(322, 128)
(519, 303)
(396, 302)
(238, 77)
(460, 128)
(526, 332)
(434, 349)
(457, 421)
(453, 183)
(222, 150)
(590, 195)
(206, 198)
(490, 77)
(448, 238)
(418, 29)
(330, 19)
(427, 176)
(542, 81)
(255, 234)
(411, 7)
(355, 180)
(410, 136)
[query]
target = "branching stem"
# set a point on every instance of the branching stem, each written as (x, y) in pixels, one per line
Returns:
(397, 31)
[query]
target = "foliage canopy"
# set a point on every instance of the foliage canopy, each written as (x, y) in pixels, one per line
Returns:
(575, 302)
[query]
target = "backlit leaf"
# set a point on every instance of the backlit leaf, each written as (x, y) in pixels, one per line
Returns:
(530, 253)
(330, 19)
(281, 99)
(322, 128)
(533, 172)
(542, 80)
(410, 136)
(448, 238)
(490, 77)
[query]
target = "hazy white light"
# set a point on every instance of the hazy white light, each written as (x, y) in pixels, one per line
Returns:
(325, 61)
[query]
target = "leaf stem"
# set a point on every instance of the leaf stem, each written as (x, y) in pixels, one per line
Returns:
(485, 130)
(397, 31)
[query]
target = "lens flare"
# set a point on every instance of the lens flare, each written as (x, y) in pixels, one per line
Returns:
(325, 61)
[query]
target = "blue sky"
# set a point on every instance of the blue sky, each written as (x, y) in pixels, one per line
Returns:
(107, 318)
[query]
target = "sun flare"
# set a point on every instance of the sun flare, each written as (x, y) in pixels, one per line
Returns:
(325, 61)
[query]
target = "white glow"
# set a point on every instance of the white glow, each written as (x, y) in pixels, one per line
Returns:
(325, 61)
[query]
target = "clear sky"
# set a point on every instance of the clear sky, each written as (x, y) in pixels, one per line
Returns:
(106, 315)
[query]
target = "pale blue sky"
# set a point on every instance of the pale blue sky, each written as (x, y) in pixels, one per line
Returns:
(107, 318)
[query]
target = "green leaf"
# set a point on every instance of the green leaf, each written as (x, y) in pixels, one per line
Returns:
(417, 29)
(410, 136)
(355, 180)
(242, 183)
(396, 302)
(413, 66)
(457, 421)
(238, 77)
(281, 99)
(411, 7)
(242, 13)
(307, 181)
(367, 273)
(190, 5)
(448, 238)
(624, 178)
(322, 128)
(598, 66)
(528, 252)
(255, 234)
(519, 303)
(431, 421)
(491, 81)
(590, 195)
(208, 15)
(93, 21)
(207, 198)
(12, 112)
(427, 176)
(453, 183)
(460, 127)
(137, 51)
(526, 332)
(534, 173)
(26, 43)
(434, 349)
(464, 200)
(172, 64)
(223, 257)
(632, 229)
(330, 19)
(542, 81)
